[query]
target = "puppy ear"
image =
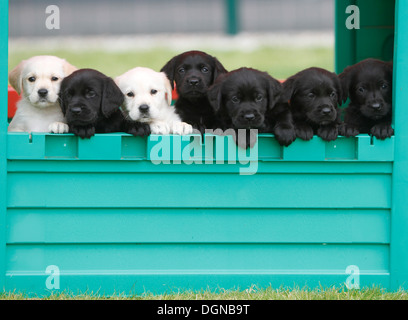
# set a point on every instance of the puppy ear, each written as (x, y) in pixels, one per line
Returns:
(168, 69)
(16, 78)
(61, 101)
(339, 89)
(214, 96)
(68, 68)
(288, 89)
(345, 82)
(112, 97)
(274, 88)
(218, 69)
(168, 88)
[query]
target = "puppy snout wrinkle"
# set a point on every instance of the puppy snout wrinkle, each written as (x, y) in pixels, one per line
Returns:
(144, 108)
(42, 92)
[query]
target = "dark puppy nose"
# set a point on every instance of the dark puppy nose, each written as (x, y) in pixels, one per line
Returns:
(326, 111)
(194, 82)
(42, 92)
(76, 110)
(249, 116)
(376, 106)
(144, 108)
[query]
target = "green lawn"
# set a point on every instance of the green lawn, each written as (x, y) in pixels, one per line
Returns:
(279, 62)
(253, 293)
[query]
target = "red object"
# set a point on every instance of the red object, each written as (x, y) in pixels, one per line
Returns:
(174, 94)
(13, 98)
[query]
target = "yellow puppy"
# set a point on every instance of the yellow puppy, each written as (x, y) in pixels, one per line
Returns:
(39, 79)
(148, 98)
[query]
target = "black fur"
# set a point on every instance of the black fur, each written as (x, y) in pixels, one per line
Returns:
(249, 99)
(90, 102)
(368, 84)
(193, 72)
(314, 95)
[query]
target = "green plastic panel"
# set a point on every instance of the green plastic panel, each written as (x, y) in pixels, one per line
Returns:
(373, 39)
(129, 214)
(124, 214)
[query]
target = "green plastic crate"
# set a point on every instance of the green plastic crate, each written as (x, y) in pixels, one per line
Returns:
(374, 38)
(124, 214)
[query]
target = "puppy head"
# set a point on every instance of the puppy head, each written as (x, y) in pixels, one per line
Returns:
(244, 95)
(88, 95)
(315, 94)
(193, 72)
(369, 86)
(39, 78)
(147, 94)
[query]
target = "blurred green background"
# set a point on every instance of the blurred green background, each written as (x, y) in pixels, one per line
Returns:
(279, 62)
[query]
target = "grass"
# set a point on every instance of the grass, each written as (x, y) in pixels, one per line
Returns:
(280, 62)
(253, 293)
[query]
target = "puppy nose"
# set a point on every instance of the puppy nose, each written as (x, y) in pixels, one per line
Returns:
(376, 106)
(76, 110)
(194, 82)
(249, 116)
(144, 108)
(326, 110)
(42, 92)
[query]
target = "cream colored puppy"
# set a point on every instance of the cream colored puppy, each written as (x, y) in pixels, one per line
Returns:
(148, 99)
(39, 79)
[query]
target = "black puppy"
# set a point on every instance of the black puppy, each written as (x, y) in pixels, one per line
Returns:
(248, 99)
(314, 95)
(90, 102)
(369, 86)
(193, 73)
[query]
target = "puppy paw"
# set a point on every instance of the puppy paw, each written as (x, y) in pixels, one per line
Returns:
(304, 131)
(328, 133)
(285, 136)
(348, 130)
(138, 129)
(83, 132)
(182, 128)
(382, 131)
(58, 127)
(160, 128)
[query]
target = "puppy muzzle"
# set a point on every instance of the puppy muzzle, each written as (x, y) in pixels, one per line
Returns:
(248, 119)
(80, 114)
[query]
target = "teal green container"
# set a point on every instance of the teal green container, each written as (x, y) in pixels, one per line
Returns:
(124, 214)
(369, 32)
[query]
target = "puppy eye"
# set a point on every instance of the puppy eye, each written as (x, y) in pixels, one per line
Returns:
(31, 79)
(235, 99)
(130, 94)
(181, 70)
(361, 89)
(333, 95)
(384, 86)
(204, 70)
(311, 95)
(90, 94)
(153, 92)
(259, 98)
(54, 79)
